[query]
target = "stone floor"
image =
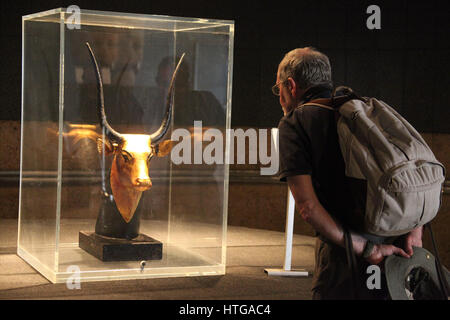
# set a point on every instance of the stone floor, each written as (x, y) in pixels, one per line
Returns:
(249, 252)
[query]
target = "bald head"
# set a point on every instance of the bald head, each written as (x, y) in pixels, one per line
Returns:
(306, 66)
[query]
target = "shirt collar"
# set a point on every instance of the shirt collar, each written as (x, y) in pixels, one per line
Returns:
(316, 92)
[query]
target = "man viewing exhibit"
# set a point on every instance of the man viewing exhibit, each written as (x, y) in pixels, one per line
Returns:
(312, 164)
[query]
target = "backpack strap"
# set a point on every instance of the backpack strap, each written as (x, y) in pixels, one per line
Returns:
(335, 102)
(441, 276)
(325, 103)
(351, 261)
(347, 94)
(317, 104)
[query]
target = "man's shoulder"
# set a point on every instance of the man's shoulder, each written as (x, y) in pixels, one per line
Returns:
(289, 120)
(302, 113)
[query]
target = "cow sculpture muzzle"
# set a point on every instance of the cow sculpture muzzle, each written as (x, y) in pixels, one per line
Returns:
(132, 153)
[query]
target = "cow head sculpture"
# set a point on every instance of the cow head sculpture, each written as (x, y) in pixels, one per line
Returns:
(132, 153)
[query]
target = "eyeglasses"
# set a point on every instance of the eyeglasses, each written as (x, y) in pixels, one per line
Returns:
(276, 88)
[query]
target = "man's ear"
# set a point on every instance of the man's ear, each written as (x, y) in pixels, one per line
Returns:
(109, 148)
(163, 149)
(292, 86)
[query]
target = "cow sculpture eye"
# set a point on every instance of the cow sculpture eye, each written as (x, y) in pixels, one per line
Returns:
(126, 156)
(154, 150)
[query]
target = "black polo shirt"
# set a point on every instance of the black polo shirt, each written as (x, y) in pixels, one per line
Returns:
(308, 145)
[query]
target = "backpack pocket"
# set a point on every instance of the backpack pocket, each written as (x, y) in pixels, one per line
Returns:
(410, 196)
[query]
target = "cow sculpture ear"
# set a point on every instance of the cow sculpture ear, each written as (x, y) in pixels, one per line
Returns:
(164, 148)
(108, 147)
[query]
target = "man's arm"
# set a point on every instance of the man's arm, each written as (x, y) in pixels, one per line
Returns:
(315, 214)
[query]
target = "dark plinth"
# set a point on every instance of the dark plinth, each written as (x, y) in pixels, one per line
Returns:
(113, 249)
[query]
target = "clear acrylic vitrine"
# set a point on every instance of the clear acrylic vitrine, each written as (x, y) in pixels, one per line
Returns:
(67, 155)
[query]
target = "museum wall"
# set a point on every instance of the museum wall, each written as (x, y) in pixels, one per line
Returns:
(406, 64)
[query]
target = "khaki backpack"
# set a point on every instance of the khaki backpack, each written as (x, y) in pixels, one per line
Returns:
(404, 179)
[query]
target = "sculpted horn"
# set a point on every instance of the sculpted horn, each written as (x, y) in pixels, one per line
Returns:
(112, 135)
(158, 134)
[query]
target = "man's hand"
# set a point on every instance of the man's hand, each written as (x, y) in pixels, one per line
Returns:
(414, 238)
(383, 250)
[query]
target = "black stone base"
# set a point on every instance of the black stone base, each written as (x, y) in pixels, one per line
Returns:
(113, 249)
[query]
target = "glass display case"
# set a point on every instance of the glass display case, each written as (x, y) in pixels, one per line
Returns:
(104, 194)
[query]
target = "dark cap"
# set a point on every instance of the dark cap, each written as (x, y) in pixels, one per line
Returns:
(415, 278)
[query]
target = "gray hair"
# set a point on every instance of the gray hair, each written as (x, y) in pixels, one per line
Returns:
(307, 66)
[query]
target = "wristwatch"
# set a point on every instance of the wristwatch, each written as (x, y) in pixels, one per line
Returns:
(368, 248)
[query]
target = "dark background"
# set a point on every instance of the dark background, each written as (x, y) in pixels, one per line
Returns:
(406, 63)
